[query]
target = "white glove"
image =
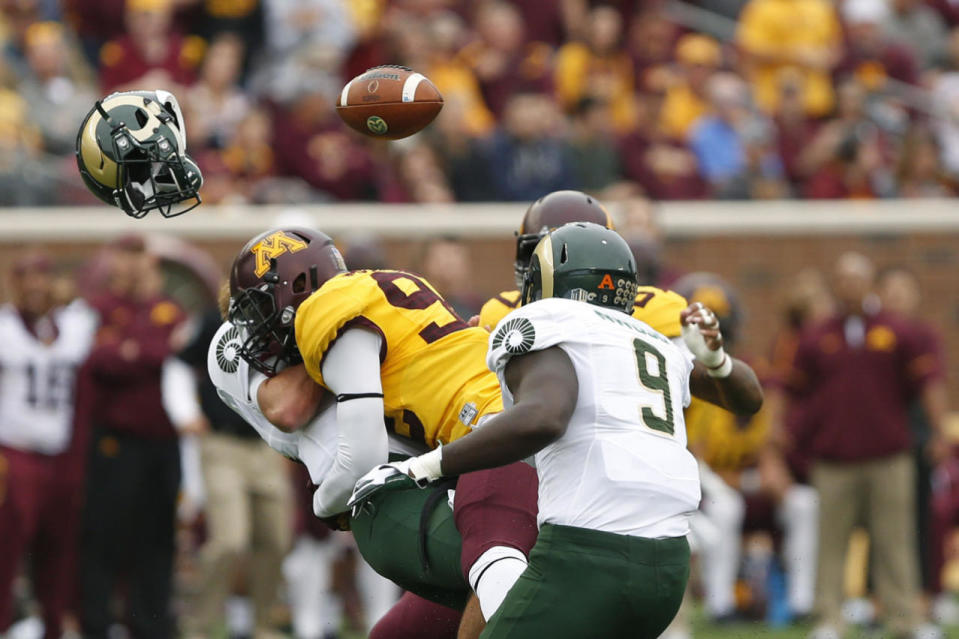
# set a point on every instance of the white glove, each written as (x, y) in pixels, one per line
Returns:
(718, 364)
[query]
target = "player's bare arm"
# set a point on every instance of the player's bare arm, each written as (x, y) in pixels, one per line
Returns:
(717, 377)
(544, 388)
(290, 399)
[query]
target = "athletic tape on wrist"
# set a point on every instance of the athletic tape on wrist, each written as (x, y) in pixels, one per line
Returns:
(723, 370)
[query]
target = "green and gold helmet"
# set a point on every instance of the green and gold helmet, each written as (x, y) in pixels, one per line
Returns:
(583, 261)
(131, 152)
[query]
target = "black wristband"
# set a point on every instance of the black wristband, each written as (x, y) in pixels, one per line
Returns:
(345, 397)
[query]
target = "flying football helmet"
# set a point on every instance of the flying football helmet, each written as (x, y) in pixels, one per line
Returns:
(549, 212)
(131, 152)
(271, 276)
(583, 261)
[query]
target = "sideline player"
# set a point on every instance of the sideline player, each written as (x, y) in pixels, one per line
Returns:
(597, 398)
(384, 343)
(39, 497)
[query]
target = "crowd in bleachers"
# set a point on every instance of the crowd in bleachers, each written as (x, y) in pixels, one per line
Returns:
(740, 99)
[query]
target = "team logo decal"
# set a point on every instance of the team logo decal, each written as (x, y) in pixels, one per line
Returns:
(607, 283)
(376, 125)
(273, 246)
(228, 351)
(516, 336)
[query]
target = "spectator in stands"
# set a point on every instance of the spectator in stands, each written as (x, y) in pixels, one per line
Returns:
(433, 47)
(918, 26)
(241, 171)
(57, 99)
(599, 68)
(527, 156)
(151, 53)
(311, 143)
(301, 25)
(945, 102)
(857, 374)
(592, 147)
(870, 55)
(96, 22)
(246, 484)
(550, 22)
(778, 35)
(651, 40)
(665, 168)
(504, 60)
(211, 18)
(850, 156)
(794, 129)
(461, 156)
(698, 56)
(920, 173)
(16, 19)
(304, 39)
(134, 472)
(728, 143)
(421, 176)
(40, 508)
(215, 105)
(27, 178)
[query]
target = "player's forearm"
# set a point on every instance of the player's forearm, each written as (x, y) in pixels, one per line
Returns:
(511, 436)
(290, 399)
(363, 445)
(740, 392)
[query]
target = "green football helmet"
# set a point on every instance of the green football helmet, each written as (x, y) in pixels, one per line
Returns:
(585, 262)
(131, 152)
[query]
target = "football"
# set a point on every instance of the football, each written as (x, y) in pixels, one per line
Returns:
(389, 102)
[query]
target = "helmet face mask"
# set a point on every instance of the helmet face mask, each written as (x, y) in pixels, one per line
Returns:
(549, 212)
(583, 262)
(269, 342)
(131, 153)
(271, 276)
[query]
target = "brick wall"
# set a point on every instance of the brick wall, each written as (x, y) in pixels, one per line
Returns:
(761, 269)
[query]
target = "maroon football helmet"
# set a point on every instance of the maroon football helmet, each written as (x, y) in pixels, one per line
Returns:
(271, 276)
(551, 212)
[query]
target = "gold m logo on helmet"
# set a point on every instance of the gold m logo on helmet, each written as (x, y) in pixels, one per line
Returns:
(274, 246)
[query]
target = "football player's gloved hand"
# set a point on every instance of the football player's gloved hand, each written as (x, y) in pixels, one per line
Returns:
(700, 328)
(418, 471)
(382, 478)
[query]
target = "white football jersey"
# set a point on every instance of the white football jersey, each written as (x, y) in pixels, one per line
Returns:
(237, 384)
(38, 381)
(622, 466)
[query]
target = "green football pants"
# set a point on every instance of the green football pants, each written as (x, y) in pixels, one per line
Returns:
(584, 583)
(409, 537)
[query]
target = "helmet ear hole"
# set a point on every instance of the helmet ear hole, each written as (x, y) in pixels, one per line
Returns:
(564, 254)
(141, 118)
(299, 284)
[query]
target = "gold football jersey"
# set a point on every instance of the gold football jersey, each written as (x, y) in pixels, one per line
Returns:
(658, 308)
(435, 381)
(723, 440)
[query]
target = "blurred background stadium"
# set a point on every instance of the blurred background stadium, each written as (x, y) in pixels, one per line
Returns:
(758, 140)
